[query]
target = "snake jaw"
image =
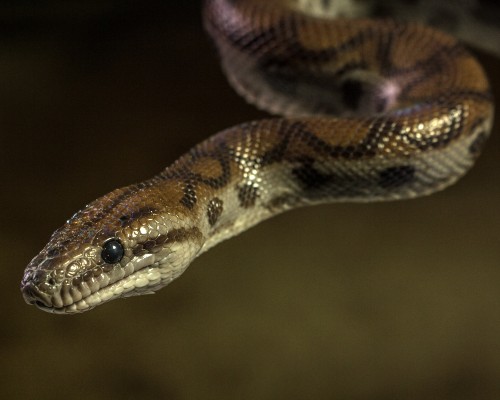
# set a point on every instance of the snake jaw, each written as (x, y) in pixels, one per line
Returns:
(79, 283)
(87, 288)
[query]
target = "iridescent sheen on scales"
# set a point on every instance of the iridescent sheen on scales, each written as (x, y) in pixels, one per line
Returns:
(372, 110)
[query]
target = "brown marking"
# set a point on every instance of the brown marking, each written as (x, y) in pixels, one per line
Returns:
(395, 177)
(174, 235)
(247, 195)
(311, 178)
(189, 199)
(183, 234)
(149, 245)
(161, 239)
(127, 219)
(214, 210)
(207, 168)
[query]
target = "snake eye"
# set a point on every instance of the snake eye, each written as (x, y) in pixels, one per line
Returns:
(112, 251)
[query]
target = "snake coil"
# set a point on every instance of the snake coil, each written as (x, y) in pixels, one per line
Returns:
(373, 110)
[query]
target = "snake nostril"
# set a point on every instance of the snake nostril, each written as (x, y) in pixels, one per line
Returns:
(32, 296)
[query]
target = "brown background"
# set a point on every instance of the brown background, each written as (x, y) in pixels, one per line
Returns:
(375, 301)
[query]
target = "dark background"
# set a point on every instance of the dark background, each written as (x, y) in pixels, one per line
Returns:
(376, 301)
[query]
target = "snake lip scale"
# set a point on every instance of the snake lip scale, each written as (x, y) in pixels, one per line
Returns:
(372, 110)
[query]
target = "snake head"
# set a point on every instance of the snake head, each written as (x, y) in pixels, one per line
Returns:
(120, 245)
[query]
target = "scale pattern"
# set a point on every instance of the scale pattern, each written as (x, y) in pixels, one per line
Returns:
(372, 110)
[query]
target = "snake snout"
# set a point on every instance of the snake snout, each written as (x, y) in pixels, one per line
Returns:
(37, 288)
(32, 295)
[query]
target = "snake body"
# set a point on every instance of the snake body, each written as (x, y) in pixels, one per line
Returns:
(373, 110)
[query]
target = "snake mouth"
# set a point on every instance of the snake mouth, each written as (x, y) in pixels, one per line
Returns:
(142, 275)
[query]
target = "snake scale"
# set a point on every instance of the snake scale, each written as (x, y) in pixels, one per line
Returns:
(371, 110)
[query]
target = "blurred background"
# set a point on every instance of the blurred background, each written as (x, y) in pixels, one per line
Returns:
(375, 301)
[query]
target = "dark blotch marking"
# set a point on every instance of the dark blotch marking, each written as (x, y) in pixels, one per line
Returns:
(394, 177)
(149, 245)
(189, 199)
(126, 220)
(182, 234)
(309, 177)
(214, 210)
(247, 195)
(175, 235)
(315, 184)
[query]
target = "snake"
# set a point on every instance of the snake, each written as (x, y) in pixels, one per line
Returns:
(360, 110)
